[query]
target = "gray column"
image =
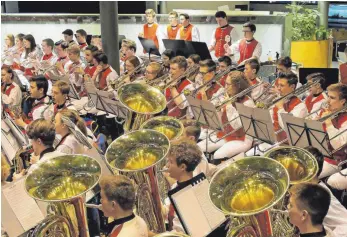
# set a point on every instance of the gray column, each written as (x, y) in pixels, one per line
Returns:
(323, 8)
(152, 5)
(11, 6)
(109, 31)
(163, 7)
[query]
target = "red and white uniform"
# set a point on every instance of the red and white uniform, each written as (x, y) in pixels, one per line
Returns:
(218, 39)
(7, 56)
(90, 69)
(70, 68)
(12, 95)
(27, 64)
(83, 46)
(295, 107)
(40, 109)
(258, 91)
(179, 111)
(314, 103)
(246, 49)
(49, 58)
(210, 92)
(188, 33)
(133, 227)
(69, 145)
(63, 60)
(106, 77)
(55, 108)
(152, 31)
(171, 32)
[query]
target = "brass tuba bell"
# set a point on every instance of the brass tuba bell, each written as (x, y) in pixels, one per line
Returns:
(136, 155)
(301, 165)
(169, 126)
(62, 182)
(142, 101)
(247, 188)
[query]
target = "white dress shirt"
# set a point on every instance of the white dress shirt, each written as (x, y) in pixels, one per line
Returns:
(235, 50)
(14, 98)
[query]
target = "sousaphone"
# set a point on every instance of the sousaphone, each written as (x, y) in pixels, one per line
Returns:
(62, 182)
(169, 126)
(245, 190)
(142, 101)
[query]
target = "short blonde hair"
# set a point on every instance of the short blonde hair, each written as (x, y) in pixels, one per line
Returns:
(150, 12)
(155, 66)
(131, 44)
(174, 13)
(74, 49)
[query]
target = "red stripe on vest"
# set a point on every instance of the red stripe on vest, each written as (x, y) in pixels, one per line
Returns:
(177, 112)
(116, 232)
(102, 78)
(90, 70)
(8, 90)
(209, 92)
(310, 101)
(220, 35)
(46, 57)
(246, 50)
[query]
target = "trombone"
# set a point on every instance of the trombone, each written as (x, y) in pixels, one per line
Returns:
(174, 82)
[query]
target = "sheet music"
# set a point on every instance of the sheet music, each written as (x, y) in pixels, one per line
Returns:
(295, 128)
(25, 208)
(199, 215)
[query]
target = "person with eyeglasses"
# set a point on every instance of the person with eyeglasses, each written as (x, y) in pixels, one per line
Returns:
(173, 27)
(153, 71)
(247, 47)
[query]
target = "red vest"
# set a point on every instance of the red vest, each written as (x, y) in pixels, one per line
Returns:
(220, 35)
(239, 135)
(150, 33)
(90, 70)
(172, 32)
(177, 112)
(9, 89)
(102, 78)
(186, 33)
(83, 46)
(46, 57)
(223, 80)
(288, 107)
(309, 101)
(246, 50)
(209, 92)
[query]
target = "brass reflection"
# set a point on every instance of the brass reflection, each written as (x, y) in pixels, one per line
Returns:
(169, 126)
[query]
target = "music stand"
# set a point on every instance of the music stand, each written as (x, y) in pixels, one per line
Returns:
(73, 92)
(102, 102)
(199, 48)
(149, 46)
(331, 75)
(178, 46)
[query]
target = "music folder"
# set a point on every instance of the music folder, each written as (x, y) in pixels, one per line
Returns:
(187, 48)
(149, 46)
(192, 204)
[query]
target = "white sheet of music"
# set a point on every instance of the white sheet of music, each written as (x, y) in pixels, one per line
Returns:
(198, 214)
(24, 207)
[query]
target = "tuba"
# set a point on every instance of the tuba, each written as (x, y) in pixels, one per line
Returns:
(62, 182)
(246, 189)
(142, 101)
(171, 234)
(169, 126)
(136, 155)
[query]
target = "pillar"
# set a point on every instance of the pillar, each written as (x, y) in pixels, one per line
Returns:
(323, 8)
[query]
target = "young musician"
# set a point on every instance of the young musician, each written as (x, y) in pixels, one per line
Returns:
(223, 63)
(81, 36)
(30, 55)
(177, 107)
(117, 200)
(18, 52)
(74, 67)
(153, 71)
(166, 56)
(60, 93)
(9, 51)
(236, 142)
(252, 67)
(130, 65)
(151, 30)
(61, 51)
(11, 94)
(89, 52)
(308, 205)
(247, 47)
(317, 96)
(47, 48)
(193, 59)
(68, 37)
(225, 34)
(40, 107)
(188, 31)
(293, 105)
(336, 217)
(128, 49)
(335, 126)
(173, 27)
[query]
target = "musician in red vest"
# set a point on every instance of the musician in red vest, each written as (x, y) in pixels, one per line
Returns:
(317, 97)
(89, 55)
(188, 31)
(75, 67)
(252, 67)
(175, 94)
(336, 127)
(61, 50)
(104, 74)
(287, 84)
(47, 48)
(117, 201)
(223, 63)
(151, 30)
(173, 27)
(81, 36)
(247, 47)
(11, 94)
(68, 37)
(60, 93)
(225, 34)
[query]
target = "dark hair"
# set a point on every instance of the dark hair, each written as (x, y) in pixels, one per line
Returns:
(8, 70)
(180, 61)
(192, 128)
(186, 152)
(225, 59)
(91, 48)
(185, 15)
(62, 43)
(319, 157)
(291, 78)
(20, 36)
(254, 63)
(250, 25)
(49, 42)
(220, 14)
(209, 63)
(319, 77)
(82, 32)
(285, 61)
(101, 57)
(42, 129)
(31, 39)
(170, 53)
(313, 198)
(134, 61)
(195, 58)
(41, 82)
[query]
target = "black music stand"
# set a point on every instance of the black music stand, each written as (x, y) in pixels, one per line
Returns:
(178, 46)
(149, 46)
(187, 48)
(73, 92)
(102, 102)
(331, 75)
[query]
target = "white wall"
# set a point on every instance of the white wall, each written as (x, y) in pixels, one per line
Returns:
(269, 35)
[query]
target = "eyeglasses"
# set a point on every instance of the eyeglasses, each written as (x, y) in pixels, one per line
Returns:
(203, 73)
